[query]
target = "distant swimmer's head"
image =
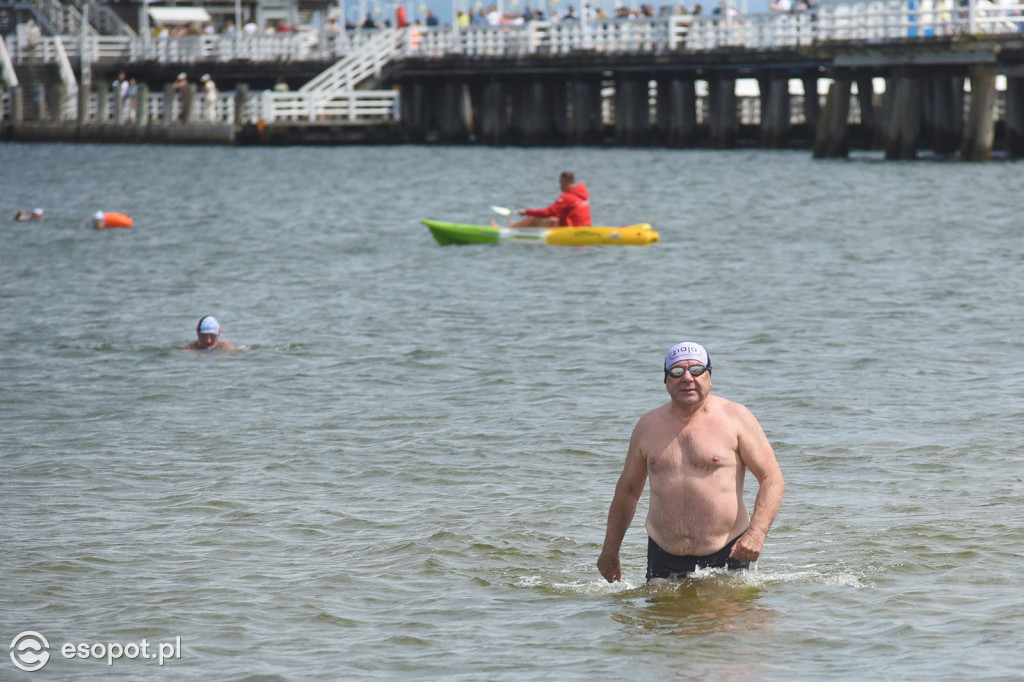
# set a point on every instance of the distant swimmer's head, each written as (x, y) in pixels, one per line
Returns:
(37, 212)
(687, 350)
(208, 325)
(99, 215)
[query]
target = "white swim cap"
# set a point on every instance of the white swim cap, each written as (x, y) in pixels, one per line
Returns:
(37, 211)
(209, 325)
(687, 350)
(99, 215)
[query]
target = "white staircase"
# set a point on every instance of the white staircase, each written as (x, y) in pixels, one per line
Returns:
(332, 96)
(363, 61)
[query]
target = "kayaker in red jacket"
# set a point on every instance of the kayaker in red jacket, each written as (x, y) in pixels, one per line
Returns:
(571, 208)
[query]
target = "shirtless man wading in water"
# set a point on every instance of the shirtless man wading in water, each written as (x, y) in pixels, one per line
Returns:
(695, 449)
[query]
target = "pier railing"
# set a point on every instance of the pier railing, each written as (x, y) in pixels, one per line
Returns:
(864, 20)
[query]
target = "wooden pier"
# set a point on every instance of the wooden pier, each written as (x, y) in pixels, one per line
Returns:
(904, 80)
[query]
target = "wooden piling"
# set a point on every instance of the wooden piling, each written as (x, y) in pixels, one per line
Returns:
(241, 97)
(676, 119)
(1015, 117)
(585, 125)
(531, 113)
(188, 98)
(979, 132)
(723, 123)
(775, 114)
(945, 120)
(832, 139)
(812, 106)
(450, 126)
(17, 105)
(102, 105)
(866, 102)
(632, 112)
(904, 122)
(494, 115)
(169, 95)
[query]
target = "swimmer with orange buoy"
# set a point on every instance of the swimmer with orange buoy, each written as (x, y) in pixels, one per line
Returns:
(101, 220)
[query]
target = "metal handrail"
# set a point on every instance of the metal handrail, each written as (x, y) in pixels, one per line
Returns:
(7, 66)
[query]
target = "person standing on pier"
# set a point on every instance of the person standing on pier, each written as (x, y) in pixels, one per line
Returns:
(212, 96)
(120, 90)
(571, 208)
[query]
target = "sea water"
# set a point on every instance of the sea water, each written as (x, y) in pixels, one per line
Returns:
(404, 472)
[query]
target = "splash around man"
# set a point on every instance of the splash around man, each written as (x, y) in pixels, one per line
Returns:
(208, 336)
(695, 450)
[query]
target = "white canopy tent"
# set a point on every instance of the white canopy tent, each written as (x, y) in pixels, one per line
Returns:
(179, 15)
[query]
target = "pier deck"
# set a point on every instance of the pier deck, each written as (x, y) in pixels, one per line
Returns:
(890, 76)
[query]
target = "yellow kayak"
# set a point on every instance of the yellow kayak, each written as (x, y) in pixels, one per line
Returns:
(641, 234)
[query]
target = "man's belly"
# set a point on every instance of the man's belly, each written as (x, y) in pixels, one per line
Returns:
(695, 525)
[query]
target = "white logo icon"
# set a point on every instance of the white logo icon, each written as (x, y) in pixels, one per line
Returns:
(30, 651)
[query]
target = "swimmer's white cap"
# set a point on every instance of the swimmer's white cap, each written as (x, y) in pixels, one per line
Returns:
(37, 211)
(98, 215)
(687, 350)
(209, 325)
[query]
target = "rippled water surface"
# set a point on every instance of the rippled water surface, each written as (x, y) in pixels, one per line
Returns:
(404, 472)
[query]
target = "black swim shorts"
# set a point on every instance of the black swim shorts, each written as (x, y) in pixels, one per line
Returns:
(661, 564)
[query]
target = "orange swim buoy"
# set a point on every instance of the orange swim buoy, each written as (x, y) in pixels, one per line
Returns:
(111, 219)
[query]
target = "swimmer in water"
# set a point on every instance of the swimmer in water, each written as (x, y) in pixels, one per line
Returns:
(208, 336)
(23, 216)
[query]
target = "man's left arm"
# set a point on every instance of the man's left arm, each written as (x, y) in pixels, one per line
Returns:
(757, 455)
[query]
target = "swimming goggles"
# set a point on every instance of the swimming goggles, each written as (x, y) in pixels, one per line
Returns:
(694, 370)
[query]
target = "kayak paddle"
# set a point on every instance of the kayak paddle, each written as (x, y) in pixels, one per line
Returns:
(501, 210)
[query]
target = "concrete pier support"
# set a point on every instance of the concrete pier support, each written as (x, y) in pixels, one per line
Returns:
(17, 115)
(37, 103)
(1015, 117)
(676, 119)
(102, 106)
(866, 102)
(494, 114)
(632, 112)
(812, 106)
(57, 96)
(723, 123)
(585, 125)
(775, 113)
(943, 113)
(832, 135)
(415, 111)
(450, 113)
(532, 113)
(241, 95)
(118, 105)
(168, 106)
(188, 99)
(979, 132)
(83, 105)
(904, 118)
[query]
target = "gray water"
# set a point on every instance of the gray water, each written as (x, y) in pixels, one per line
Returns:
(404, 471)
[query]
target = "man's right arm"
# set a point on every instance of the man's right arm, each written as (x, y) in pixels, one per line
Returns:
(620, 514)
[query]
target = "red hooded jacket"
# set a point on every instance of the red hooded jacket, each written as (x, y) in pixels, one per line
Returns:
(572, 208)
